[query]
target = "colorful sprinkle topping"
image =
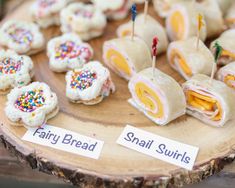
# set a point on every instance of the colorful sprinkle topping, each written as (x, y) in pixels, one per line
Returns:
(70, 50)
(30, 100)
(20, 35)
(10, 66)
(84, 13)
(83, 79)
(46, 3)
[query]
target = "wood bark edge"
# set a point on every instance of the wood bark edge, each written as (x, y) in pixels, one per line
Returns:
(83, 178)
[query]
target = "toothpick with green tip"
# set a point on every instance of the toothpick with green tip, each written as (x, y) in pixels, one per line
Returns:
(217, 54)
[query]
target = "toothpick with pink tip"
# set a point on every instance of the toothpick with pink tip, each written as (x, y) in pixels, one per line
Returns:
(154, 52)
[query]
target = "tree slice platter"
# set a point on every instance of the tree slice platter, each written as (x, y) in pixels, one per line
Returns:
(117, 166)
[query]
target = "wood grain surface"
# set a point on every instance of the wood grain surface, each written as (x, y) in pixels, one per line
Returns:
(117, 165)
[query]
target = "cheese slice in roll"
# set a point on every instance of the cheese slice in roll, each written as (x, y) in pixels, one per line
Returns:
(185, 58)
(227, 75)
(227, 41)
(212, 103)
(147, 30)
(126, 56)
(157, 95)
(181, 22)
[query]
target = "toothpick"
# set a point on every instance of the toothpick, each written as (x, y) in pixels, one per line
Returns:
(199, 27)
(218, 52)
(133, 31)
(154, 53)
(154, 65)
(134, 13)
(146, 6)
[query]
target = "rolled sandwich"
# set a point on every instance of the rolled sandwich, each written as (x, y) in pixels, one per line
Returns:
(212, 103)
(147, 30)
(157, 95)
(230, 16)
(126, 57)
(224, 5)
(213, 17)
(163, 7)
(185, 58)
(227, 75)
(181, 22)
(227, 41)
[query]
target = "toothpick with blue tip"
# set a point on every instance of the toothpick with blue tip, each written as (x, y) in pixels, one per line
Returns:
(133, 16)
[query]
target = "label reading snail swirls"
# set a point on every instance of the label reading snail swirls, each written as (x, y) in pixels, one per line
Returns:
(167, 150)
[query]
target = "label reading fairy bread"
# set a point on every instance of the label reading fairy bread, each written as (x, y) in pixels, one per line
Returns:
(65, 140)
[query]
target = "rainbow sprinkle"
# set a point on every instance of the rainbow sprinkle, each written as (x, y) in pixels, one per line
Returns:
(20, 35)
(30, 100)
(84, 13)
(82, 79)
(46, 3)
(70, 50)
(10, 66)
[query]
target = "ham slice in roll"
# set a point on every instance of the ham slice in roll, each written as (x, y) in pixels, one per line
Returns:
(157, 95)
(126, 56)
(212, 103)
(147, 30)
(181, 22)
(227, 41)
(185, 58)
(227, 75)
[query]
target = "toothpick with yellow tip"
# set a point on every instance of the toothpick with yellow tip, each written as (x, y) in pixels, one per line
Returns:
(200, 24)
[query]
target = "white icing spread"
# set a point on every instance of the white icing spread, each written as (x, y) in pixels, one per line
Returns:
(87, 27)
(61, 65)
(37, 39)
(101, 86)
(38, 116)
(47, 15)
(19, 78)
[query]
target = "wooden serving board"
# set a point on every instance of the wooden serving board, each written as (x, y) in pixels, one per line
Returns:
(117, 166)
